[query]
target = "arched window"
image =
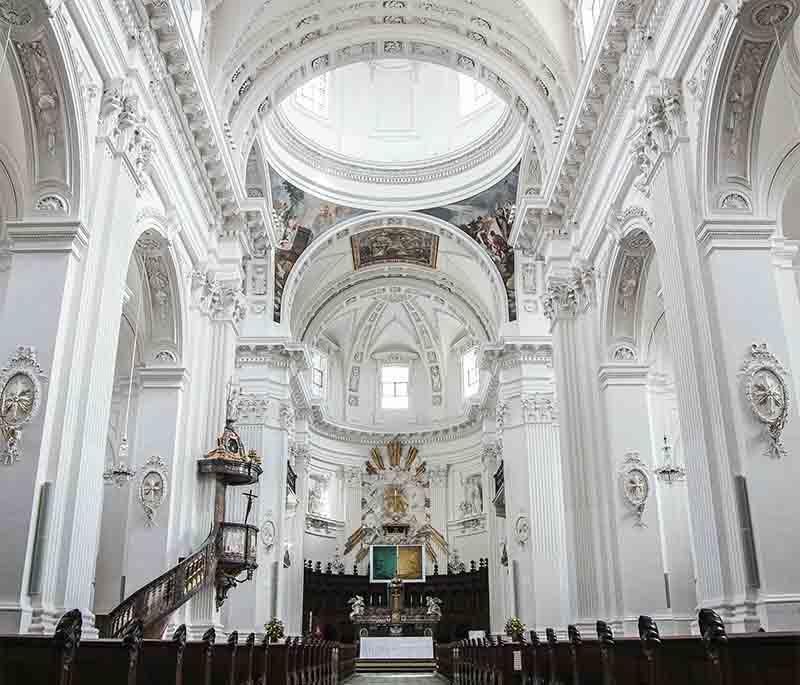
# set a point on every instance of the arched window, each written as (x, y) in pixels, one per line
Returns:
(313, 96)
(590, 14)
(472, 95)
(471, 373)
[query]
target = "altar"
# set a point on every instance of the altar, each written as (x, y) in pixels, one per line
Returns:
(393, 648)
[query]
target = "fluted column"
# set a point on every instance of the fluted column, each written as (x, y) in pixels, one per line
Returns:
(352, 508)
(42, 318)
(225, 306)
(438, 479)
(700, 353)
(290, 602)
(590, 533)
(499, 610)
(533, 486)
(78, 435)
(624, 389)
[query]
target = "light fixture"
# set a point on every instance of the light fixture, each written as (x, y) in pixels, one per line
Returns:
(668, 472)
(118, 472)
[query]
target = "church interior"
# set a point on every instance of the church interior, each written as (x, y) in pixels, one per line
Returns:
(346, 340)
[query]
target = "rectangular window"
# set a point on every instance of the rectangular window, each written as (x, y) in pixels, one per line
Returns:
(394, 387)
(313, 96)
(318, 371)
(471, 373)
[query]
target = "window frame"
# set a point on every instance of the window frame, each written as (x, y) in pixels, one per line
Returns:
(395, 395)
(470, 389)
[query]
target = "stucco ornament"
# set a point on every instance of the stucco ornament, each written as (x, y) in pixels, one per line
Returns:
(765, 389)
(522, 529)
(268, 533)
(152, 487)
(20, 397)
(634, 483)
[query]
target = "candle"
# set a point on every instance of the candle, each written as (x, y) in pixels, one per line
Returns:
(310, 622)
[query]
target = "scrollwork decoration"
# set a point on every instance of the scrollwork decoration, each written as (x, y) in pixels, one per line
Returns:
(20, 397)
(152, 487)
(767, 394)
(634, 483)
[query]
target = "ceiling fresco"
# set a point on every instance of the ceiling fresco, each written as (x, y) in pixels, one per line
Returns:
(390, 245)
(487, 218)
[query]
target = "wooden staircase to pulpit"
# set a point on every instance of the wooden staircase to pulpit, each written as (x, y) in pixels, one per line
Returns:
(229, 549)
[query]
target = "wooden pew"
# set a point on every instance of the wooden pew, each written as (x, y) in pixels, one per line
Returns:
(223, 670)
(198, 660)
(161, 661)
(42, 660)
(110, 661)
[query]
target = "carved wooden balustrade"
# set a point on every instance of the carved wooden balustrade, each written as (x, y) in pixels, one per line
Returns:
(161, 597)
(229, 549)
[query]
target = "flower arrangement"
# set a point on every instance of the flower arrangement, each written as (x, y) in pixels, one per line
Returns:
(274, 629)
(515, 628)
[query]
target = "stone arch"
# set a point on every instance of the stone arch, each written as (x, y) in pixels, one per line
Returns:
(55, 102)
(741, 73)
(166, 297)
(624, 288)
(11, 187)
(414, 220)
(258, 76)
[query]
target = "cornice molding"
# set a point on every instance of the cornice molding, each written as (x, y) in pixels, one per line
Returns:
(623, 374)
(47, 235)
(436, 169)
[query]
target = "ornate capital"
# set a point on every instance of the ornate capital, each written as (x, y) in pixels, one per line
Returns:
(490, 453)
(287, 418)
(438, 475)
(253, 406)
(659, 129)
(353, 476)
(569, 296)
(221, 300)
(538, 408)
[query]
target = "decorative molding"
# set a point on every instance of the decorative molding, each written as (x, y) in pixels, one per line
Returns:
(20, 398)
(566, 297)
(538, 408)
(268, 532)
(767, 394)
(635, 485)
(152, 489)
(522, 529)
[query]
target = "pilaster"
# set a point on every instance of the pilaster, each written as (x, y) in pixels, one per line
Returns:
(710, 446)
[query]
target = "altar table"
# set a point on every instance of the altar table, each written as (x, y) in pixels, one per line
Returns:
(396, 648)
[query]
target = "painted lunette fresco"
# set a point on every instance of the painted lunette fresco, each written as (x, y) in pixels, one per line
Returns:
(299, 218)
(487, 218)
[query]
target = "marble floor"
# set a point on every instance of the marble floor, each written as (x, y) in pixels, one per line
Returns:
(396, 679)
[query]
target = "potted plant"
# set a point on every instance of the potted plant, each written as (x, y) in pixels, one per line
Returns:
(515, 629)
(274, 630)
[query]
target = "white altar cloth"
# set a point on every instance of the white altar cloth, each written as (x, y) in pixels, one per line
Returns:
(396, 648)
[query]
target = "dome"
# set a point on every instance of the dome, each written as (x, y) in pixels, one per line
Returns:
(393, 112)
(394, 133)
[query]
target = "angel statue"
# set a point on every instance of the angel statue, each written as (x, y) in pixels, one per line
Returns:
(356, 606)
(433, 606)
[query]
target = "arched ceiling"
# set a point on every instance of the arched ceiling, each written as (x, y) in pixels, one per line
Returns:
(422, 256)
(261, 52)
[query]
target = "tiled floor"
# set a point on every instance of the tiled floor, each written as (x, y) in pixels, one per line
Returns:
(397, 679)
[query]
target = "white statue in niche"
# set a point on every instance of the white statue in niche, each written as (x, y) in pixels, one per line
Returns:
(472, 504)
(317, 495)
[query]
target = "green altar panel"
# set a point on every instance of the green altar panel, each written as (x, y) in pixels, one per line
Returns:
(384, 562)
